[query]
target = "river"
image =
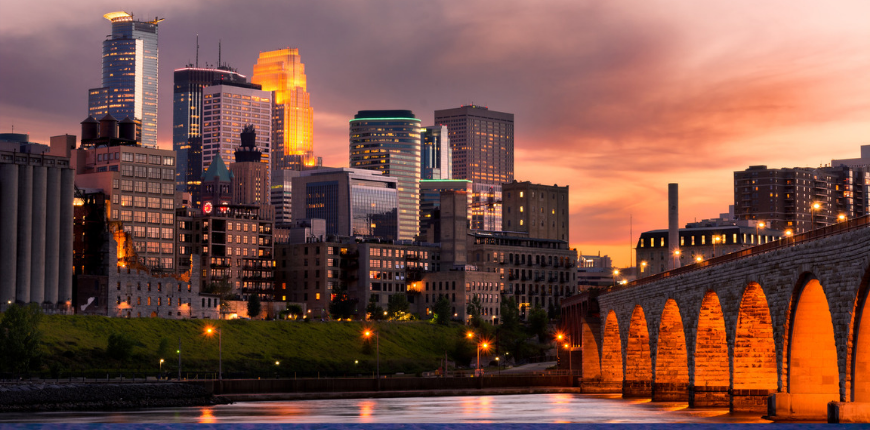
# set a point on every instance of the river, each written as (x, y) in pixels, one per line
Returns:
(502, 409)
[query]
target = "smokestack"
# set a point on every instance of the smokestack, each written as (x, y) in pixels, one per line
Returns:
(674, 224)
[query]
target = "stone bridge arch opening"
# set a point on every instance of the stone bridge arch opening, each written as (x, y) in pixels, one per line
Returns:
(861, 341)
(591, 367)
(638, 365)
(755, 375)
(712, 370)
(611, 353)
(813, 374)
(672, 370)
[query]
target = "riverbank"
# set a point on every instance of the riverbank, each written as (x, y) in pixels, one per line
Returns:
(273, 397)
(47, 397)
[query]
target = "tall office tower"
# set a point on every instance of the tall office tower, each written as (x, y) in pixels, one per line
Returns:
(282, 195)
(541, 211)
(227, 108)
(129, 85)
(483, 152)
(436, 155)
(282, 71)
(801, 199)
(187, 120)
(251, 174)
(353, 202)
(389, 141)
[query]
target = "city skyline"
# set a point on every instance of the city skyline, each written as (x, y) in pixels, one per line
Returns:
(637, 99)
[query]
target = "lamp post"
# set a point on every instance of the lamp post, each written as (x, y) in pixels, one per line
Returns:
(841, 218)
(481, 344)
(642, 267)
(814, 209)
(498, 365)
(615, 274)
(676, 257)
(161, 367)
(567, 346)
(788, 234)
(716, 239)
(368, 334)
(699, 259)
(757, 226)
(209, 331)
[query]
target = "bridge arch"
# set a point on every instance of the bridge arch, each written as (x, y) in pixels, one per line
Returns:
(638, 364)
(860, 366)
(611, 351)
(754, 358)
(589, 342)
(813, 374)
(672, 370)
(712, 370)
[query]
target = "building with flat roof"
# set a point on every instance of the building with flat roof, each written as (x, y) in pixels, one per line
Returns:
(129, 82)
(541, 211)
(430, 203)
(354, 202)
(389, 141)
(436, 155)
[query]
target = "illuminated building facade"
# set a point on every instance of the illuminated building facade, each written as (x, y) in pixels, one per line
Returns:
(251, 175)
(283, 72)
(436, 158)
(353, 202)
(187, 117)
(227, 109)
(129, 84)
(389, 141)
(541, 211)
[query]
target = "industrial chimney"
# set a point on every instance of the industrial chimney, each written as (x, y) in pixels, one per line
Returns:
(674, 225)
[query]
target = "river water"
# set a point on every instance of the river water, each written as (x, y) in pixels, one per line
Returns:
(502, 409)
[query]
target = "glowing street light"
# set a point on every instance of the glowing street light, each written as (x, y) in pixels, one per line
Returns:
(161, 366)
(561, 336)
(699, 259)
(716, 239)
(815, 209)
(788, 234)
(841, 217)
(481, 344)
(757, 226)
(642, 266)
(368, 334)
(209, 331)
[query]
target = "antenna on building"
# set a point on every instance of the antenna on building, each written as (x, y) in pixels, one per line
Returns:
(197, 50)
(219, 53)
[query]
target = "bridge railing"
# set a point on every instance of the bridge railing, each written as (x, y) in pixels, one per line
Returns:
(842, 227)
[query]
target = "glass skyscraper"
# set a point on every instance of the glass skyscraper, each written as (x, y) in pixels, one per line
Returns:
(436, 156)
(187, 120)
(283, 72)
(389, 141)
(129, 85)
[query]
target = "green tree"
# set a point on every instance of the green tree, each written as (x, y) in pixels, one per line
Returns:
(294, 310)
(511, 335)
(164, 349)
(20, 338)
(398, 306)
(342, 305)
(475, 309)
(538, 323)
(442, 311)
(254, 306)
(375, 311)
(119, 348)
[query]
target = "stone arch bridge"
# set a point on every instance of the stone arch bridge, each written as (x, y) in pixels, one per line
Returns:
(782, 328)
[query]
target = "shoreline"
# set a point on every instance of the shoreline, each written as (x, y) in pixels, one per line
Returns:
(273, 397)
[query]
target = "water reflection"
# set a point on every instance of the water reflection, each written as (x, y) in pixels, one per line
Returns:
(530, 408)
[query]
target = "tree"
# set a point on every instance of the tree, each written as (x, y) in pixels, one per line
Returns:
(398, 306)
(475, 309)
(538, 323)
(294, 310)
(164, 349)
(342, 306)
(224, 290)
(511, 335)
(375, 311)
(20, 338)
(254, 306)
(442, 311)
(119, 347)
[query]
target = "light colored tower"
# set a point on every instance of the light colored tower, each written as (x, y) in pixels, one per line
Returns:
(389, 141)
(129, 85)
(283, 72)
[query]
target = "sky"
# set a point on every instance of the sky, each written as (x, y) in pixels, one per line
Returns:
(614, 98)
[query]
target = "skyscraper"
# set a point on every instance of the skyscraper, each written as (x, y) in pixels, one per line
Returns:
(389, 141)
(129, 85)
(187, 120)
(436, 155)
(483, 152)
(227, 108)
(282, 71)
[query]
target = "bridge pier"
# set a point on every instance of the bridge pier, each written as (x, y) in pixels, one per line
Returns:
(670, 392)
(632, 389)
(848, 412)
(803, 406)
(598, 386)
(750, 400)
(709, 397)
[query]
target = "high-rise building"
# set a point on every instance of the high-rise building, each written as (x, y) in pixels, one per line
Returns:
(282, 195)
(251, 174)
(430, 203)
(353, 202)
(389, 141)
(801, 199)
(187, 117)
(129, 84)
(227, 109)
(283, 72)
(482, 142)
(541, 211)
(436, 158)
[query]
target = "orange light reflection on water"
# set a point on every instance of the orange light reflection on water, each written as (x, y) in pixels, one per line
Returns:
(207, 416)
(366, 407)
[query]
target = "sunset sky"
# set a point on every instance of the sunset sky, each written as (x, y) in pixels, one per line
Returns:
(614, 98)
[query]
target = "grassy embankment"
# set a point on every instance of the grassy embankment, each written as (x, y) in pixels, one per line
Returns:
(76, 344)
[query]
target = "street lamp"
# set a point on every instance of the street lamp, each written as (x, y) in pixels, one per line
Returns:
(615, 274)
(481, 344)
(498, 365)
(676, 257)
(161, 366)
(716, 239)
(815, 209)
(642, 266)
(841, 217)
(699, 259)
(209, 331)
(368, 334)
(788, 234)
(567, 337)
(757, 226)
